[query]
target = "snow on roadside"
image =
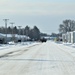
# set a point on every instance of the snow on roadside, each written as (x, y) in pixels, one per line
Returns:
(7, 48)
(67, 47)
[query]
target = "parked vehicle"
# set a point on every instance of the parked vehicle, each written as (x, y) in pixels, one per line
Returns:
(43, 40)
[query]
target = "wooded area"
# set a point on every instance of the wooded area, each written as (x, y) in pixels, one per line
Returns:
(33, 33)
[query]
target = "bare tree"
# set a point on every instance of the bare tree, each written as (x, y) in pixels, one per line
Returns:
(67, 26)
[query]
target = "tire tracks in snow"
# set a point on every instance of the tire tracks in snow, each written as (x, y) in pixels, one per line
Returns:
(23, 68)
(17, 52)
(66, 66)
(68, 53)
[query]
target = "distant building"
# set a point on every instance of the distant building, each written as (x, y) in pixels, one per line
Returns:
(69, 37)
(14, 38)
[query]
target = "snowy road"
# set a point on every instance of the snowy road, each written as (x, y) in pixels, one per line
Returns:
(42, 59)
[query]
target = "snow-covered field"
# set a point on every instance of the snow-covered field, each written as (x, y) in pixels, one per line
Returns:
(48, 58)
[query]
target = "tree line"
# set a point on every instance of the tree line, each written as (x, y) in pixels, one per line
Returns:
(67, 26)
(33, 33)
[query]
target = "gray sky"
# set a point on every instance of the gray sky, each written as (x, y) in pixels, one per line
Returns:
(45, 14)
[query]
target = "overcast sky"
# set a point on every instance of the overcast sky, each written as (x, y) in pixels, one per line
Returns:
(45, 14)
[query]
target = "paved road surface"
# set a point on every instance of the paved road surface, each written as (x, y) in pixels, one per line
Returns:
(42, 59)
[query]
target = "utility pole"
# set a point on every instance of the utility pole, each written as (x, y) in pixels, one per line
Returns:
(23, 36)
(5, 20)
(19, 31)
(12, 31)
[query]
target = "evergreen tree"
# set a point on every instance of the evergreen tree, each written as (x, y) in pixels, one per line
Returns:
(15, 30)
(36, 33)
(27, 30)
(9, 30)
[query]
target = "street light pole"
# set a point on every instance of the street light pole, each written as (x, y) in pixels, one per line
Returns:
(23, 35)
(12, 31)
(19, 32)
(5, 20)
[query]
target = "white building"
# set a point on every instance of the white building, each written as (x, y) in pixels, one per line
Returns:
(64, 37)
(14, 37)
(69, 37)
(73, 37)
